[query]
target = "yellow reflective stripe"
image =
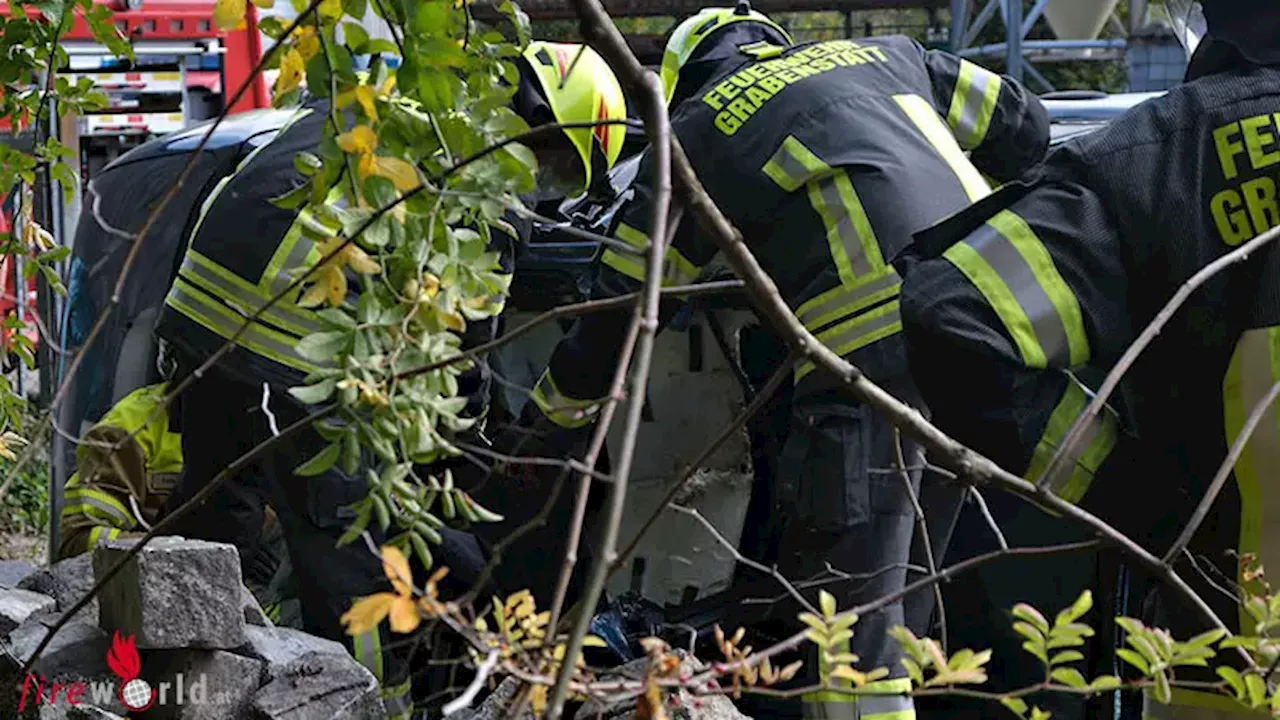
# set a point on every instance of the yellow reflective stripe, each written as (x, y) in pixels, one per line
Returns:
(794, 165)
(234, 290)
(897, 706)
(99, 505)
(224, 322)
(853, 243)
(398, 700)
(926, 120)
(1014, 272)
(569, 413)
(1093, 450)
(973, 105)
(1193, 705)
(853, 335)
(1254, 370)
(367, 648)
(100, 534)
(1036, 255)
(676, 268)
(841, 302)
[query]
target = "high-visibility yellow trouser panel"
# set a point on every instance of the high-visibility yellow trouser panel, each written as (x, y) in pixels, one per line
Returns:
(1189, 705)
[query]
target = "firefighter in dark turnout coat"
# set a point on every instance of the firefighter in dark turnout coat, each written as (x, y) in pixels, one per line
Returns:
(1015, 309)
(243, 251)
(827, 156)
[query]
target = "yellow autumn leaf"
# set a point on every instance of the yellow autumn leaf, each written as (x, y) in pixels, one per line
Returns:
(401, 174)
(331, 9)
(396, 567)
(314, 295)
(360, 139)
(367, 613)
(308, 43)
(364, 95)
(265, 4)
(229, 14)
(404, 615)
(292, 68)
(388, 85)
(335, 285)
(432, 286)
(538, 699)
(6, 453)
(360, 261)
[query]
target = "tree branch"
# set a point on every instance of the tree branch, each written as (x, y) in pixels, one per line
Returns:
(1148, 336)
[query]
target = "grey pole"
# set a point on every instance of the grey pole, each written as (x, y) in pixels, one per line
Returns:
(1013, 25)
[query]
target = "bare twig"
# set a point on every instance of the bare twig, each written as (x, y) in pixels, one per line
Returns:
(658, 128)
(1224, 471)
(463, 701)
(922, 527)
(1148, 336)
(986, 515)
(759, 567)
(601, 432)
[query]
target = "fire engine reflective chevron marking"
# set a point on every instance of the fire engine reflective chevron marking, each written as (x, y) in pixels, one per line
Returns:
(853, 335)
(676, 268)
(930, 125)
(569, 413)
(1011, 267)
(1254, 370)
(1090, 453)
(973, 105)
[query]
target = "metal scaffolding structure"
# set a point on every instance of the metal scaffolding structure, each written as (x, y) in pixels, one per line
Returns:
(1018, 51)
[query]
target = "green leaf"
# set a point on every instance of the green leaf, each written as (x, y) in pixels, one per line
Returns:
(1036, 650)
(421, 549)
(1069, 677)
(828, 603)
(322, 461)
(1105, 682)
(1025, 612)
(1163, 691)
(293, 199)
(53, 255)
(1077, 609)
(1135, 659)
(1015, 705)
(1234, 680)
(357, 527)
(1066, 656)
(355, 37)
(321, 347)
(314, 394)
(1205, 639)
(1257, 690)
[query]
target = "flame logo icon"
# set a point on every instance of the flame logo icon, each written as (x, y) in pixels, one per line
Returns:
(122, 658)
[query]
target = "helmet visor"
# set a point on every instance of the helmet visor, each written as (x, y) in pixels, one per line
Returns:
(1187, 18)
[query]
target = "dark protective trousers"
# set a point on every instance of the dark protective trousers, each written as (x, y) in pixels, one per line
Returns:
(222, 420)
(845, 504)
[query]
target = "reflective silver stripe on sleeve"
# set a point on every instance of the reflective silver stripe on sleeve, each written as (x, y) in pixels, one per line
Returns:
(1012, 267)
(277, 314)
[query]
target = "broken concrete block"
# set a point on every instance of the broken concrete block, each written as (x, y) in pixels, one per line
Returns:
(66, 582)
(320, 686)
(201, 684)
(13, 572)
(278, 647)
(253, 612)
(176, 593)
(683, 705)
(18, 605)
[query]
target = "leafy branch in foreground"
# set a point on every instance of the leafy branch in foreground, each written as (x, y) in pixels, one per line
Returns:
(397, 289)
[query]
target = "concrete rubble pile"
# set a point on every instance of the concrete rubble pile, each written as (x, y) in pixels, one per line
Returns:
(201, 646)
